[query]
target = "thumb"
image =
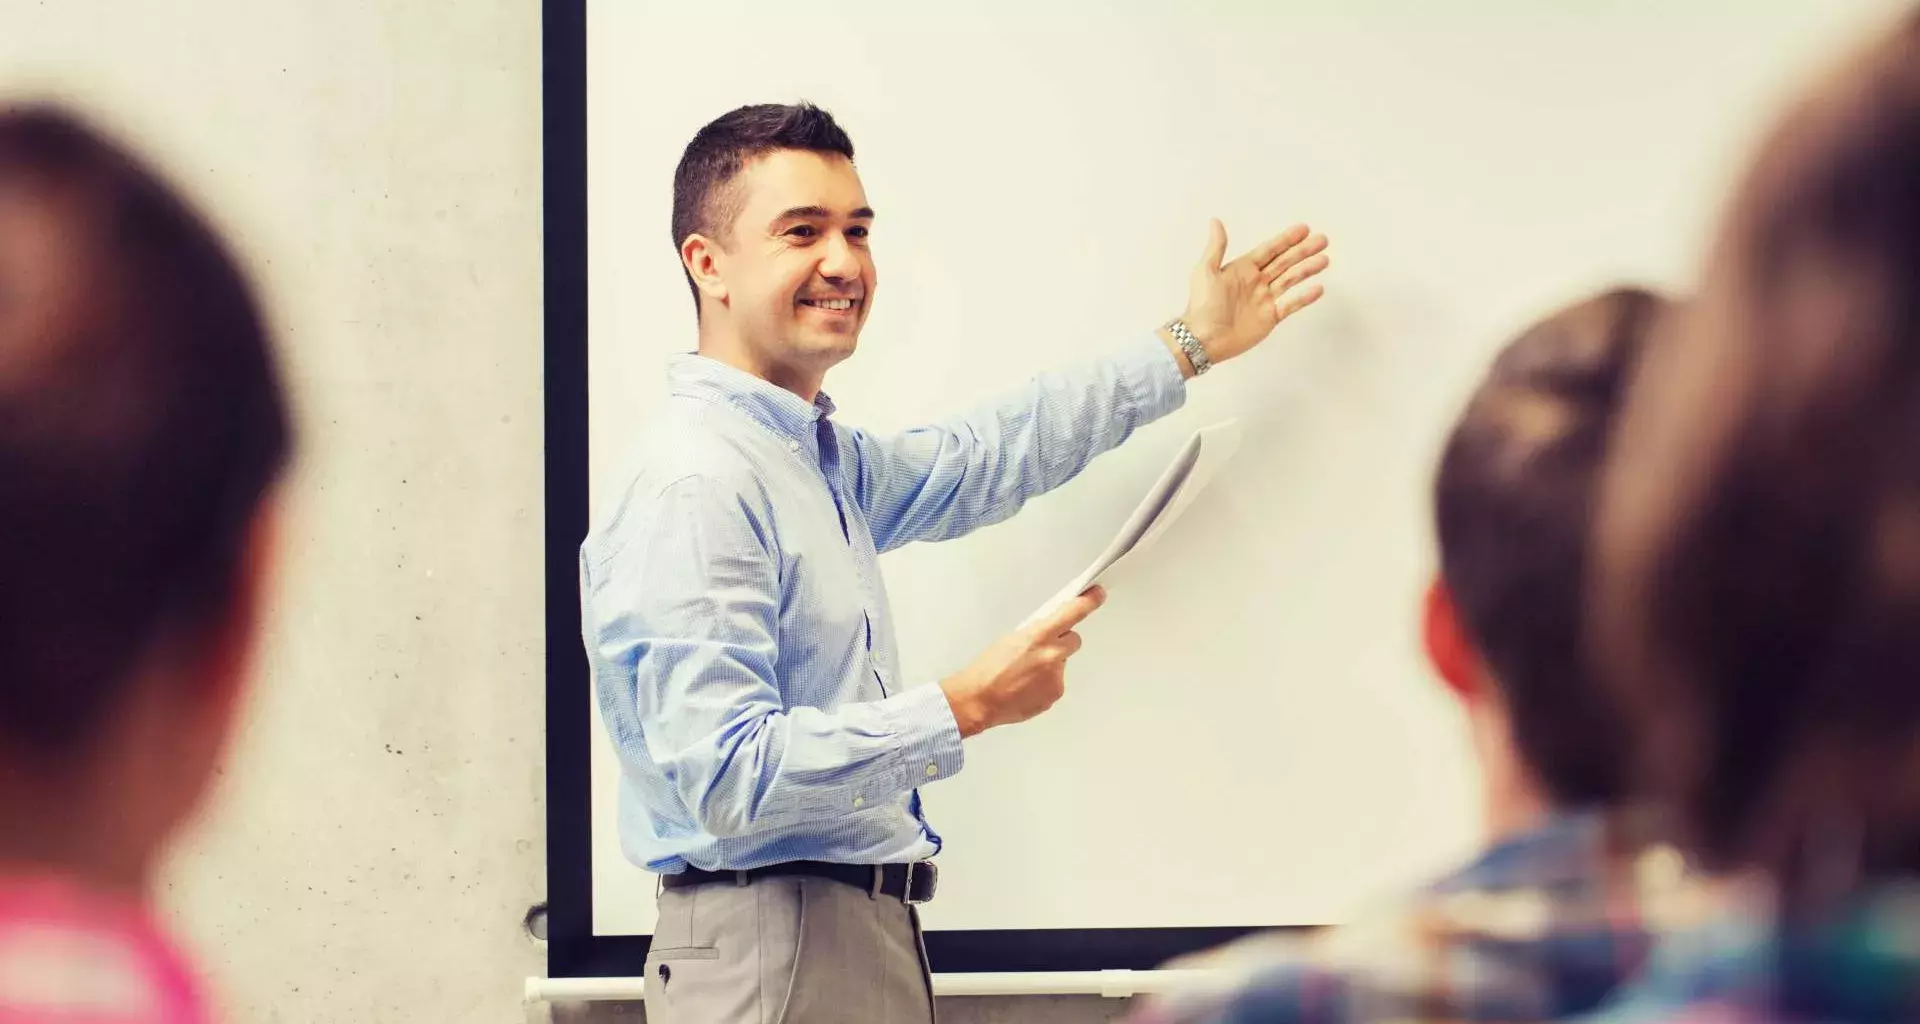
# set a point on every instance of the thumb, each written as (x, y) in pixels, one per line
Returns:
(1216, 253)
(1063, 619)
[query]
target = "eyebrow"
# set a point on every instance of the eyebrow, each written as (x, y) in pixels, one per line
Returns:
(821, 213)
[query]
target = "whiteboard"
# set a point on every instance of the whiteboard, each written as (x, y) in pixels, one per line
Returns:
(1250, 736)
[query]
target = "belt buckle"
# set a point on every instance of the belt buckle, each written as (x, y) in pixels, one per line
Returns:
(933, 881)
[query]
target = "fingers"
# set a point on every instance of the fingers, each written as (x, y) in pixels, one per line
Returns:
(1301, 271)
(1294, 302)
(1072, 613)
(1069, 644)
(1216, 253)
(1266, 252)
(1293, 255)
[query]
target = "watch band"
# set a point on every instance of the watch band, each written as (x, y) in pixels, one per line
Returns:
(1196, 354)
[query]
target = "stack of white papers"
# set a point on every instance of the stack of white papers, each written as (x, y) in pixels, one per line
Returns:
(1195, 464)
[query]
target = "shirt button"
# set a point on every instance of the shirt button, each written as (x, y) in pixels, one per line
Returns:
(932, 770)
(793, 446)
(859, 802)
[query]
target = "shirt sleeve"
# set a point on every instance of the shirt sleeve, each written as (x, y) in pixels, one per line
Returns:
(945, 480)
(685, 613)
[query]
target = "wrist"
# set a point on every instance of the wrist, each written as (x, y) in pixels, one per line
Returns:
(1179, 355)
(1190, 347)
(964, 702)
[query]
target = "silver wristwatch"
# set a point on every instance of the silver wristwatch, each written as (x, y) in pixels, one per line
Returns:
(1189, 344)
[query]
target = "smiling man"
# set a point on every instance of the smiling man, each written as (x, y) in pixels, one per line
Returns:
(737, 626)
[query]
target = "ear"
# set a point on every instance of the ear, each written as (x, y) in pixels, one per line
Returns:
(1448, 649)
(701, 256)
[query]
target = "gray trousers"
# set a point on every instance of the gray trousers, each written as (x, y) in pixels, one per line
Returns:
(786, 950)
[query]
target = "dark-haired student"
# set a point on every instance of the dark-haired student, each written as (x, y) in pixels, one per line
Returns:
(1567, 899)
(1757, 570)
(142, 432)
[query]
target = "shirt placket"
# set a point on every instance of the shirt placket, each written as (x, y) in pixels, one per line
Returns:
(829, 460)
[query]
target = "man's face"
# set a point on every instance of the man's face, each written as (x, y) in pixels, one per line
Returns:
(797, 269)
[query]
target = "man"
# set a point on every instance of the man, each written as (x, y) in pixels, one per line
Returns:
(142, 431)
(1555, 914)
(737, 625)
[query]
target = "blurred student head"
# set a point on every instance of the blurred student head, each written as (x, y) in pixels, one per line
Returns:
(142, 430)
(1757, 593)
(1512, 503)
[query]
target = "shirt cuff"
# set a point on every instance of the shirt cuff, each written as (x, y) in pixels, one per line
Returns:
(1153, 378)
(929, 739)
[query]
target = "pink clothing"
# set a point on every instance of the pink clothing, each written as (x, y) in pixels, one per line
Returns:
(71, 956)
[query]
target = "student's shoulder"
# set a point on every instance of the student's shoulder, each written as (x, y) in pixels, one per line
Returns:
(52, 928)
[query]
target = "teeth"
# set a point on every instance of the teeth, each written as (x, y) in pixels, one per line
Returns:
(841, 304)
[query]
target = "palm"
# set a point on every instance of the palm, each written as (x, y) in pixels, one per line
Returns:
(1232, 307)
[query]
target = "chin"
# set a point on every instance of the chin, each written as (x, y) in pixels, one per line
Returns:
(839, 353)
(837, 346)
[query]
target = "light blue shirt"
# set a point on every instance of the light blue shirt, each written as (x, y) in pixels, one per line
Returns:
(737, 626)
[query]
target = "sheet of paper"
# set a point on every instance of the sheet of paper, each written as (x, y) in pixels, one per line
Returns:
(1185, 477)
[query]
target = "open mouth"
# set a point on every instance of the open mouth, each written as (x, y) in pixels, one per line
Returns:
(832, 305)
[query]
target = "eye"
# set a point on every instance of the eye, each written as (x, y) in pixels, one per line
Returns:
(858, 232)
(801, 231)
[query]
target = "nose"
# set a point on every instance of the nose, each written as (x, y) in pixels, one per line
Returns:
(839, 261)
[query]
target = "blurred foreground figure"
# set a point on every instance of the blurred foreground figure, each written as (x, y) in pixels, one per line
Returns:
(1566, 900)
(1757, 599)
(142, 428)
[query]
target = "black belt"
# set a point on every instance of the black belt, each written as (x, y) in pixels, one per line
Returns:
(908, 883)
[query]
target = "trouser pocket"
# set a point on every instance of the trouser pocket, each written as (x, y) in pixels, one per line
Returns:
(724, 954)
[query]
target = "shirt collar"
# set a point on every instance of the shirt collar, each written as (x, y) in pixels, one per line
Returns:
(691, 375)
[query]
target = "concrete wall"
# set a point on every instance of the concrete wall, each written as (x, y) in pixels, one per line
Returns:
(380, 832)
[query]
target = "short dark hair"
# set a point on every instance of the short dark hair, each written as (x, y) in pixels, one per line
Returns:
(1758, 586)
(141, 423)
(1511, 503)
(704, 201)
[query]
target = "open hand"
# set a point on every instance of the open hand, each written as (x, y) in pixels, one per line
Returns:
(1232, 307)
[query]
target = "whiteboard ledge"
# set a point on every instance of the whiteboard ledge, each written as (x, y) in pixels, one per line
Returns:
(1111, 984)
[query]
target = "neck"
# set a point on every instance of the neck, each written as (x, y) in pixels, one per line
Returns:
(1514, 807)
(722, 344)
(1515, 803)
(50, 827)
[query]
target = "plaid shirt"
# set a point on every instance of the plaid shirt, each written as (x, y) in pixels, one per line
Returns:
(1859, 965)
(1544, 925)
